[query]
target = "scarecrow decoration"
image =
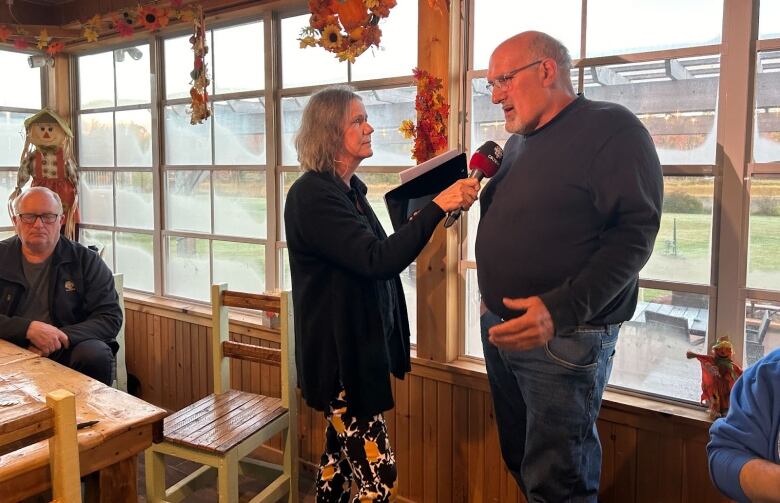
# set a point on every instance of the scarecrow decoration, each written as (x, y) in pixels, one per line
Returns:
(718, 375)
(47, 158)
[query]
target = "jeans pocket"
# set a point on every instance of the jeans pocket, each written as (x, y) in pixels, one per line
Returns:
(578, 351)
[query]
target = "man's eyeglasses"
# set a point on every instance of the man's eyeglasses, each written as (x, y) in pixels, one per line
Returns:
(503, 80)
(30, 218)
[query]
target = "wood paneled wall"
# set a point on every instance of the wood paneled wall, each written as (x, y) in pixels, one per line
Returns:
(442, 427)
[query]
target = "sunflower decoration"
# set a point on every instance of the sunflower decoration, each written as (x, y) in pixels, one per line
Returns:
(345, 27)
(153, 18)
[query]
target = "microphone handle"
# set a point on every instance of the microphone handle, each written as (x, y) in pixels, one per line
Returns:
(454, 215)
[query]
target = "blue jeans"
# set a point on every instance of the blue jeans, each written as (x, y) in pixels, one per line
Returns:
(546, 402)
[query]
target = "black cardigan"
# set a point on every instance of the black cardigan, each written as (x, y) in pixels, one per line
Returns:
(337, 263)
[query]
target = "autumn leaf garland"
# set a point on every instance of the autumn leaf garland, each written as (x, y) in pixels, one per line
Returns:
(150, 17)
(430, 132)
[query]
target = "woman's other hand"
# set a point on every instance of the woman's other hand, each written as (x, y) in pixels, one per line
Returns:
(460, 194)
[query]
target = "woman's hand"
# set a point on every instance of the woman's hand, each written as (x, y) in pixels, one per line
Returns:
(460, 194)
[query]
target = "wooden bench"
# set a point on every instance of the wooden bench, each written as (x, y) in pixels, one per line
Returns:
(26, 421)
(220, 430)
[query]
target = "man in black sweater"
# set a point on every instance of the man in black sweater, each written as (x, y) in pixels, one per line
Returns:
(566, 226)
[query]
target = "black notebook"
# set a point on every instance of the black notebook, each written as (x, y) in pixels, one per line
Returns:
(421, 183)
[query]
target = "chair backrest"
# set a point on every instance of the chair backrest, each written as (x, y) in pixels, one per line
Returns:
(57, 422)
(120, 373)
(763, 328)
(224, 348)
(666, 319)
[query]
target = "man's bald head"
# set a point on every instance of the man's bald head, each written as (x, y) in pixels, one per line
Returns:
(534, 45)
(38, 192)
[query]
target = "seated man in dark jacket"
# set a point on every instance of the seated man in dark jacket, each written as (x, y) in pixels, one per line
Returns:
(57, 298)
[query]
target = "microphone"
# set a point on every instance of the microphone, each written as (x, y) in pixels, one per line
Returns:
(484, 163)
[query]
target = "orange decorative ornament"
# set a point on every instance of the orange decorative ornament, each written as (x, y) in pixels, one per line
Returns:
(345, 27)
(352, 13)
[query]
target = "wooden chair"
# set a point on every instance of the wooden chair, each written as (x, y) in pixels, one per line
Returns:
(120, 368)
(57, 422)
(223, 428)
(754, 340)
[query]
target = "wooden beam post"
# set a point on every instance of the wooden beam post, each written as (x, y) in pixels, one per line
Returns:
(436, 340)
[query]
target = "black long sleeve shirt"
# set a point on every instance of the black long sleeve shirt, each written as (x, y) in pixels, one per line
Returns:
(572, 216)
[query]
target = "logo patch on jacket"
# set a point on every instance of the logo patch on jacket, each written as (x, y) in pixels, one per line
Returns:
(70, 286)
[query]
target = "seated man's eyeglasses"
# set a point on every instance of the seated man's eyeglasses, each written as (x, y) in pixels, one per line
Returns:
(47, 218)
(502, 81)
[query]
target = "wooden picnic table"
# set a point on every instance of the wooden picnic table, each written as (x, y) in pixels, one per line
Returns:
(697, 317)
(107, 450)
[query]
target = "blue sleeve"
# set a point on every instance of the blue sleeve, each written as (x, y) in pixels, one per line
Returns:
(750, 430)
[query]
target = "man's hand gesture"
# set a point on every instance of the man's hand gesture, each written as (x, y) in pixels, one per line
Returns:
(46, 339)
(529, 330)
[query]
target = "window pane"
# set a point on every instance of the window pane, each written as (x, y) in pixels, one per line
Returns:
(674, 98)
(96, 197)
(240, 203)
(307, 67)
(769, 19)
(764, 241)
(187, 268)
(399, 41)
(473, 224)
(762, 329)
(186, 143)
(238, 59)
(684, 243)
(96, 80)
(378, 185)
(619, 27)
(409, 282)
(11, 137)
(133, 86)
(24, 89)
(285, 280)
(134, 138)
(292, 109)
(104, 242)
(188, 201)
(766, 140)
(240, 265)
(178, 65)
(473, 299)
(135, 259)
(494, 22)
(650, 354)
(134, 201)
(288, 178)
(239, 132)
(7, 185)
(386, 108)
(96, 139)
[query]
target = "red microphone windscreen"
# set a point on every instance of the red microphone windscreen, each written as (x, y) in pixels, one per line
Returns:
(487, 159)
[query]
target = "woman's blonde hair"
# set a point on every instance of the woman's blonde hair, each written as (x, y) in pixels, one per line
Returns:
(321, 134)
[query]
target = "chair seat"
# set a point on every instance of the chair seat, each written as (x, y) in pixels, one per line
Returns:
(217, 423)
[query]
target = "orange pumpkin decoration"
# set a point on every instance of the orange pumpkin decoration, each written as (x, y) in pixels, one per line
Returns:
(352, 13)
